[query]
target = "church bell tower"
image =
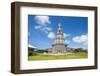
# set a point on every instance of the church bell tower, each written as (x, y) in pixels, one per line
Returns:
(59, 45)
(59, 36)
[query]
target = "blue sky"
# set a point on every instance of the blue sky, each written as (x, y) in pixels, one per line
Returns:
(42, 30)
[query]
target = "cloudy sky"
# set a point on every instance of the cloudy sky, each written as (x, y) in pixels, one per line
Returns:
(42, 30)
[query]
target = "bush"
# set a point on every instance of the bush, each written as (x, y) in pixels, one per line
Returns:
(35, 53)
(79, 50)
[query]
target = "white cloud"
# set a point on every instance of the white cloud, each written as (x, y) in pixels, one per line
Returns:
(51, 35)
(31, 46)
(67, 42)
(37, 27)
(66, 35)
(42, 20)
(43, 24)
(48, 28)
(82, 39)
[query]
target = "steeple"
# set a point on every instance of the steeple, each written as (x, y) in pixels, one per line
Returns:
(59, 29)
(59, 36)
(59, 45)
(59, 26)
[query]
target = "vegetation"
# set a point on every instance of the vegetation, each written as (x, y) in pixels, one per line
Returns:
(39, 54)
(75, 55)
(79, 50)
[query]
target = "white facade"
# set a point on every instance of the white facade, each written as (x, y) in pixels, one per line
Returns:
(59, 45)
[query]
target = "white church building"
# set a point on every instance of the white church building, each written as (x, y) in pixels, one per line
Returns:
(59, 46)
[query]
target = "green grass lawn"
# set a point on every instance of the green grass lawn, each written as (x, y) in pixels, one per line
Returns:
(57, 57)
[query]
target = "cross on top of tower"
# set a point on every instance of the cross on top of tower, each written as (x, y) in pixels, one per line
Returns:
(59, 25)
(59, 28)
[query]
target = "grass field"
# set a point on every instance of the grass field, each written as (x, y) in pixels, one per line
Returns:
(57, 57)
